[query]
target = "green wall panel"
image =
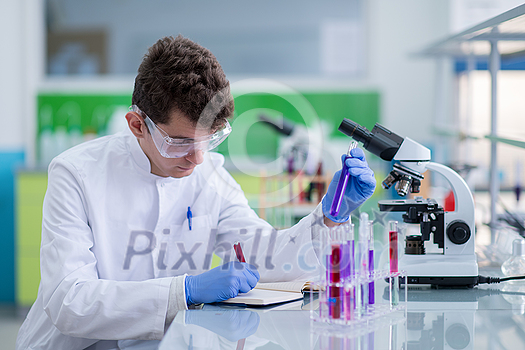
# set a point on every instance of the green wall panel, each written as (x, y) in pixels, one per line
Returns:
(27, 287)
(92, 112)
(332, 107)
(30, 190)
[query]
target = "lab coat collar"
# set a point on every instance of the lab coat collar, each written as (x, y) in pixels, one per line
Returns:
(138, 154)
(142, 161)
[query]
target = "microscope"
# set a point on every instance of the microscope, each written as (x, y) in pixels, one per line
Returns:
(453, 232)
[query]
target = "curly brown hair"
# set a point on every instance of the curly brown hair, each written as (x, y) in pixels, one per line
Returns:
(180, 75)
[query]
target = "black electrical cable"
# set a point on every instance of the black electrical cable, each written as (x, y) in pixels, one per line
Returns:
(491, 280)
(511, 278)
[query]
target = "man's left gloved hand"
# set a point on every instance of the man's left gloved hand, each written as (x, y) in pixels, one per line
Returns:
(360, 187)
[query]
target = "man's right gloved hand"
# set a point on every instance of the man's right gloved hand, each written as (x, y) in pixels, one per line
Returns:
(221, 283)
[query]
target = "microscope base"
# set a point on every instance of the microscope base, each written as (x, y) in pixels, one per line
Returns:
(464, 281)
(441, 270)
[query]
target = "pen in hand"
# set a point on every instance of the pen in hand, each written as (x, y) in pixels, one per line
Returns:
(238, 252)
(240, 257)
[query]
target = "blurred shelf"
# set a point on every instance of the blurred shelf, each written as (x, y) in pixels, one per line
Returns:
(512, 142)
(508, 29)
(286, 196)
(450, 132)
(500, 37)
(87, 84)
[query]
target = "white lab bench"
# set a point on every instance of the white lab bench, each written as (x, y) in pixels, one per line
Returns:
(485, 317)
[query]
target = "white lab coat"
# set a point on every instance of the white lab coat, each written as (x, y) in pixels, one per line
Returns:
(114, 236)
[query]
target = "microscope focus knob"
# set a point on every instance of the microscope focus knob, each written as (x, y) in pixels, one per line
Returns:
(458, 232)
(412, 216)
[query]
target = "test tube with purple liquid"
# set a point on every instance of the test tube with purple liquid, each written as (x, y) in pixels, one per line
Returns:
(341, 185)
(364, 272)
(348, 276)
(371, 285)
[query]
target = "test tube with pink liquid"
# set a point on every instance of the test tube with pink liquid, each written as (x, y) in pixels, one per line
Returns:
(394, 261)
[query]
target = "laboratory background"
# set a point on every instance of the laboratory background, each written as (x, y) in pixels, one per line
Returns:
(447, 74)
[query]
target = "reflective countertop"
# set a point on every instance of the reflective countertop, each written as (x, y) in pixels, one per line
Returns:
(485, 317)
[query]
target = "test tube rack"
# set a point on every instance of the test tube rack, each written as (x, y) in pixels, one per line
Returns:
(386, 332)
(344, 292)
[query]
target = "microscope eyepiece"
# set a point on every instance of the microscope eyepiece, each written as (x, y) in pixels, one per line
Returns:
(384, 144)
(356, 131)
(380, 141)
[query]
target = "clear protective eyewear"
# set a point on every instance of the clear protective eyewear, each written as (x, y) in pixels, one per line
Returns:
(170, 147)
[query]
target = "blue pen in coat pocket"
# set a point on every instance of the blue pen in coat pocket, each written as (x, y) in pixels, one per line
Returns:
(189, 215)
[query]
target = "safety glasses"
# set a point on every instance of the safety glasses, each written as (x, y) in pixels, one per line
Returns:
(170, 147)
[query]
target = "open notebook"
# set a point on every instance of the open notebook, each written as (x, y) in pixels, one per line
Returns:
(271, 293)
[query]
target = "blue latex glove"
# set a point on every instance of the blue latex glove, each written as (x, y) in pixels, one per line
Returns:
(221, 283)
(360, 187)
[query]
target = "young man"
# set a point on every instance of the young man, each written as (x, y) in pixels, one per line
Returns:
(130, 221)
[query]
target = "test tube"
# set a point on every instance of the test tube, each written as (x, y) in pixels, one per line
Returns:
(364, 232)
(393, 337)
(371, 286)
(371, 340)
(326, 251)
(290, 168)
(334, 266)
(300, 190)
(393, 242)
(394, 263)
(348, 277)
(366, 341)
(341, 185)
